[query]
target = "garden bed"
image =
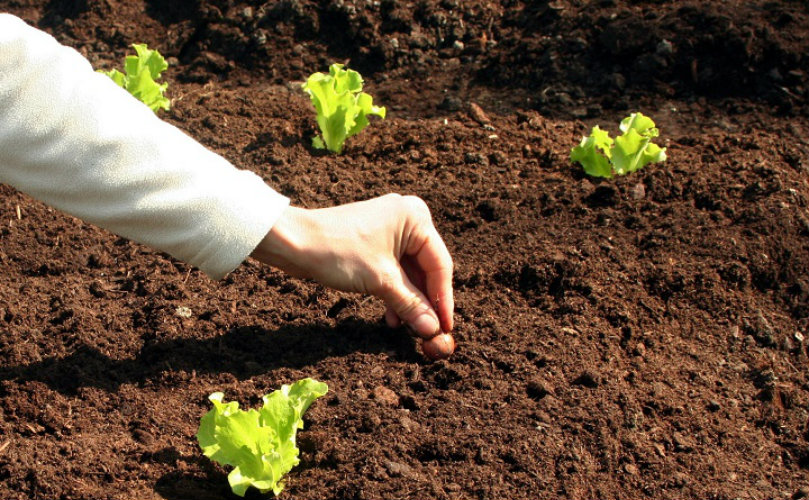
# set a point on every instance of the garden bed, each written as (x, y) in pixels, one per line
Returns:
(643, 337)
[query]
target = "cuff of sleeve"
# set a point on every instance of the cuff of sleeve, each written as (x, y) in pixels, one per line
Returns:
(252, 209)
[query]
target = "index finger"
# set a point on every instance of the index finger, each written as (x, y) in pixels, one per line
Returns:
(435, 261)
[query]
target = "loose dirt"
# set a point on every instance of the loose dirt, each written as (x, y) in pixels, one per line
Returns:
(637, 338)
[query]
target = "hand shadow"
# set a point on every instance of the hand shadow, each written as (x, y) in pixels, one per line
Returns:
(242, 351)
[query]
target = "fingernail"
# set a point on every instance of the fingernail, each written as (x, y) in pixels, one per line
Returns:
(425, 325)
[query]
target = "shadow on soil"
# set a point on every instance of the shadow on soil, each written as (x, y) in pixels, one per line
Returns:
(243, 352)
(180, 485)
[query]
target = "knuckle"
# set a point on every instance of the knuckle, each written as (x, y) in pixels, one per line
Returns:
(410, 204)
(417, 208)
(393, 196)
(408, 304)
(416, 204)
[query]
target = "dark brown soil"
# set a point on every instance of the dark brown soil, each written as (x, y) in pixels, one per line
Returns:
(637, 338)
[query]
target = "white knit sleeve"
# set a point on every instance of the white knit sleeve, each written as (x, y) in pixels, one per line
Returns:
(72, 138)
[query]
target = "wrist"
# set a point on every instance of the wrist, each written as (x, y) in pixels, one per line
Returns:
(286, 245)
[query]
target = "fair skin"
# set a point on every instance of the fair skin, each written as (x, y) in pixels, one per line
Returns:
(387, 247)
(136, 167)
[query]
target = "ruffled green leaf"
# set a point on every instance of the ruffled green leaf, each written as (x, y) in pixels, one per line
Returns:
(593, 153)
(632, 151)
(341, 106)
(141, 72)
(116, 76)
(640, 123)
(600, 156)
(259, 444)
(303, 393)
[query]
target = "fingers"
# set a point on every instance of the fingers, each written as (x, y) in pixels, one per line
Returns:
(435, 264)
(439, 288)
(409, 304)
(426, 261)
(436, 286)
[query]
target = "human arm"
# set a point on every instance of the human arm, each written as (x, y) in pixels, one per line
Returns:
(73, 139)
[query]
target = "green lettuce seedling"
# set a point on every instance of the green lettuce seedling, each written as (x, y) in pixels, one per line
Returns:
(259, 444)
(141, 72)
(342, 108)
(601, 156)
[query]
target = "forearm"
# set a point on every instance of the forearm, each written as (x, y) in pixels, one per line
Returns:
(73, 139)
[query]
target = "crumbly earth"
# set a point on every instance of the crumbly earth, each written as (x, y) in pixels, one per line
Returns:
(643, 337)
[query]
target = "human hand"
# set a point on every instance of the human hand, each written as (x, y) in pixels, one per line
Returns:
(387, 247)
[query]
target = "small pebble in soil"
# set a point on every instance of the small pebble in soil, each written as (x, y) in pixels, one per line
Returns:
(682, 443)
(477, 114)
(638, 191)
(538, 389)
(396, 469)
(183, 312)
(408, 424)
(385, 395)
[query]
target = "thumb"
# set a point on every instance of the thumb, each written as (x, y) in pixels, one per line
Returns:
(410, 305)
